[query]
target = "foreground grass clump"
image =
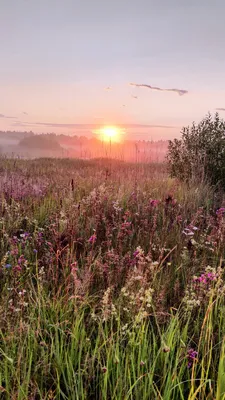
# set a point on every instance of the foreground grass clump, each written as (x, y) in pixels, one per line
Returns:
(112, 283)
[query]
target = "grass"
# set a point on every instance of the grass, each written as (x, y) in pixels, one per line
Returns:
(112, 283)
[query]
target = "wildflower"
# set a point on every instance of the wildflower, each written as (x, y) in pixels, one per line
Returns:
(22, 292)
(211, 276)
(187, 232)
(104, 370)
(15, 240)
(21, 259)
(154, 203)
(126, 225)
(142, 363)
(205, 278)
(25, 235)
(18, 268)
(138, 252)
(179, 218)
(74, 264)
(93, 238)
(220, 211)
(14, 252)
(8, 266)
(202, 279)
(135, 254)
(191, 356)
(35, 251)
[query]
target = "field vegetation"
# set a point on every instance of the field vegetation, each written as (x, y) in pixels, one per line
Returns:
(111, 283)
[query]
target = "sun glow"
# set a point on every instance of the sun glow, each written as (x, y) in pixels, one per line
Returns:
(110, 134)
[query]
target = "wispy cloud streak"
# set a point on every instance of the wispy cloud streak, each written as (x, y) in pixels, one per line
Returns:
(7, 117)
(181, 92)
(88, 126)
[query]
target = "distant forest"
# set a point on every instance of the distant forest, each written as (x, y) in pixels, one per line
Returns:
(30, 145)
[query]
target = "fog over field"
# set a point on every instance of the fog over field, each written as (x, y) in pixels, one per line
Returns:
(28, 145)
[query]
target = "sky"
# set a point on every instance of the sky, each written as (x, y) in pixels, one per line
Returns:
(67, 65)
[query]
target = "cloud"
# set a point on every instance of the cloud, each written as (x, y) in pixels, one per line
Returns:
(21, 124)
(94, 126)
(55, 125)
(220, 109)
(181, 92)
(7, 117)
(88, 127)
(135, 126)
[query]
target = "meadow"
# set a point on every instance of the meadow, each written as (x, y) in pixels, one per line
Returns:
(111, 283)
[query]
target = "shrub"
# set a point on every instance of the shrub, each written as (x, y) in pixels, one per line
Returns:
(200, 153)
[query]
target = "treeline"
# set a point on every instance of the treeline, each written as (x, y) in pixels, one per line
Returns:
(38, 145)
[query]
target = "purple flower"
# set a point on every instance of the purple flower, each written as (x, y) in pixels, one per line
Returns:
(35, 251)
(15, 240)
(220, 211)
(92, 239)
(191, 356)
(135, 254)
(8, 266)
(21, 259)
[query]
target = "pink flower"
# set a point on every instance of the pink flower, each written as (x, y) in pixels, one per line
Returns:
(17, 268)
(220, 211)
(205, 278)
(126, 225)
(136, 253)
(74, 264)
(179, 218)
(154, 203)
(93, 238)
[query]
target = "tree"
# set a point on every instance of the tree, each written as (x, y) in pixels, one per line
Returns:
(200, 153)
(43, 142)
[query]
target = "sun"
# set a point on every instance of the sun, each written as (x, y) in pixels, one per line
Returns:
(110, 134)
